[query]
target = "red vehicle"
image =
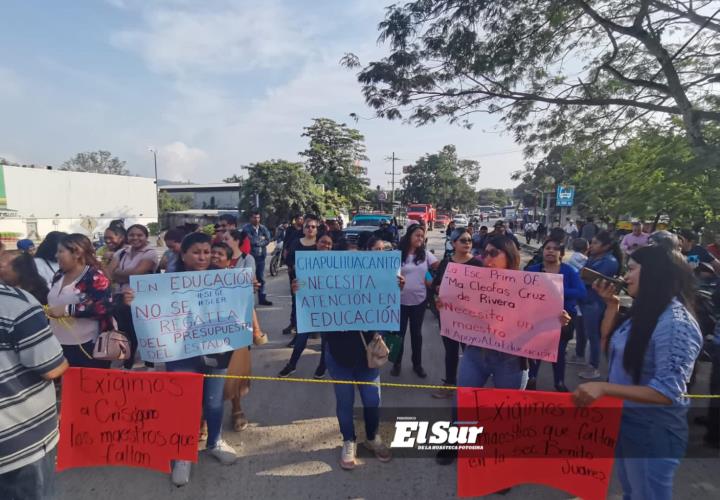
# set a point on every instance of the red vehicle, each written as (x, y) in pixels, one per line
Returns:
(422, 212)
(442, 221)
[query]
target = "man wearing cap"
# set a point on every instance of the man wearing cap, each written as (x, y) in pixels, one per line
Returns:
(335, 232)
(694, 253)
(636, 239)
(384, 233)
(26, 246)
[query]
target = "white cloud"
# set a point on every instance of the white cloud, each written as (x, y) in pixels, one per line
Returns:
(178, 161)
(217, 39)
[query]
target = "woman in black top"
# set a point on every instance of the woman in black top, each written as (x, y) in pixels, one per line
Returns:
(307, 242)
(461, 240)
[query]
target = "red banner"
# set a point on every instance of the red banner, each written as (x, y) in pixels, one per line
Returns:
(114, 417)
(537, 437)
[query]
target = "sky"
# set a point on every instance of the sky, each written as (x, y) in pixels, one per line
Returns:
(211, 85)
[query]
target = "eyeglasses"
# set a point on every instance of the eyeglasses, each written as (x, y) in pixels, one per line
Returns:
(464, 240)
(492, 253)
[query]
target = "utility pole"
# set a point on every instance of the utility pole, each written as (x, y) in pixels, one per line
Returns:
(392, 182)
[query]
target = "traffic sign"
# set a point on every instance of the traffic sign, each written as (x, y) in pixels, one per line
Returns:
(565, 196)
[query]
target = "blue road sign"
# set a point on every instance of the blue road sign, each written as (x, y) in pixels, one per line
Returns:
(565, 196)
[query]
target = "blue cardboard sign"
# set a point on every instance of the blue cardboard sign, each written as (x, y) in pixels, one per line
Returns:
(565, 196)
(182, 315)
(347, 291)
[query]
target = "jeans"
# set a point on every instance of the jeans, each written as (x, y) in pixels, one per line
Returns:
(293, 308)
(299, 346)
(35, 481)
(260, 275)
(212, 393)
(580, 338)
(345, 397)
(415, 316)
(646, 459)
(478, 364)
(452, 358)
(592, 317)
(76, 357)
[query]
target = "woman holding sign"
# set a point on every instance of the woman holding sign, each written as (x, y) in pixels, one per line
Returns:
(195, 255)
(652, 354)
(461, 240)
(573, 290)
(416, 262)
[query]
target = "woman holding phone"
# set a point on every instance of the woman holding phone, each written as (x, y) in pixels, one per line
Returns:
(651, 358)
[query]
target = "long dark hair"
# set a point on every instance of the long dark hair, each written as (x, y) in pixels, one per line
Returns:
(404, 245)
(48, 248)
(607, 239)
(664, 276)
(28, 277)
(189, 241)
(509, 248)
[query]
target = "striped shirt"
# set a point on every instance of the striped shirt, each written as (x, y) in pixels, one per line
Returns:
(28, 350)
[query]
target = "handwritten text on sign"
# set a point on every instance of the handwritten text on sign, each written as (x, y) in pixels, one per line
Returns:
(181, 315)
(113, 417)
(514, 312)
(343, 291)
(538, 437)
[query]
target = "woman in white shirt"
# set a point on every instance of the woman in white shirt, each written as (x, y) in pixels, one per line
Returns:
(416, 262)
(46, 256)
(79, 301)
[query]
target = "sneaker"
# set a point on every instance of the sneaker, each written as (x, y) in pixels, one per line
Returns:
(347, 456)
(590, 374)
(287, 371)
(443, 393)
(419, 371)
(181, 472)
(381, 451)
(224, 453)
(561, 387)
(319, 373)
(395, 372)
(531, 384)
(576, 360)
(265, 302)
(289, 330)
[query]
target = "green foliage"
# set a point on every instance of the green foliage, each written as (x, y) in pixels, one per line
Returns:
(286, 188)
(208, 229)
(99, 162)
(557, 71)
(443, 180)
(169, 203)
(153, 228)
(498, 197)
(333, 158)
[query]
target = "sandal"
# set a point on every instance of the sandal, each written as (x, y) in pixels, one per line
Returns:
(239, 421)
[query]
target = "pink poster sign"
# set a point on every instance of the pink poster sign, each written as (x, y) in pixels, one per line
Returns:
(515, 312)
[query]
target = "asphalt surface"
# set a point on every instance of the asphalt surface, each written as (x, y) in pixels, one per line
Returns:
(292, 446)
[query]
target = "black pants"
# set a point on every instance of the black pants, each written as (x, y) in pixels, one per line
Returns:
(293, 309)
(452, 358)
(713, 433)
(123, 316)
(415, 316)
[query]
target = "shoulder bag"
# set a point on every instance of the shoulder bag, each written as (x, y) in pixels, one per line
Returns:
(377, 352)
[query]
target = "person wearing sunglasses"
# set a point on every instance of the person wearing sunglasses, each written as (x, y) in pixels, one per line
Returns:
(462, 243)
(307, 242)
(573, 291)
(416, 262)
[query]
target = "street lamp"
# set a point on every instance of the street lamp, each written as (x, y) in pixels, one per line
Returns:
(157, 188)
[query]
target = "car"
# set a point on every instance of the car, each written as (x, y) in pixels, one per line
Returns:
(461, 220)
(362, 223)
(442, 221)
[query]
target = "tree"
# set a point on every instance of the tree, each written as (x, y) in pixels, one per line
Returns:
(333, 158)
(441, 179)
(559, 71)
(498, 197)
(98, 162)
(285, 188)
(169, 203)
(233, 179)
(4, 161)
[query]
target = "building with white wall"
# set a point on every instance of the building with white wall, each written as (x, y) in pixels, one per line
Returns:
(35, 201)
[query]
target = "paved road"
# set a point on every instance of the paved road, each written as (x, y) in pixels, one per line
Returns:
(291, 448)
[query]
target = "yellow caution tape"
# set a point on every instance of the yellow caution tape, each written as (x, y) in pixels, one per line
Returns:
(382, 384)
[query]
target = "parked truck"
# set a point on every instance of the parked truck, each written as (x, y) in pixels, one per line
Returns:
(422, 212)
